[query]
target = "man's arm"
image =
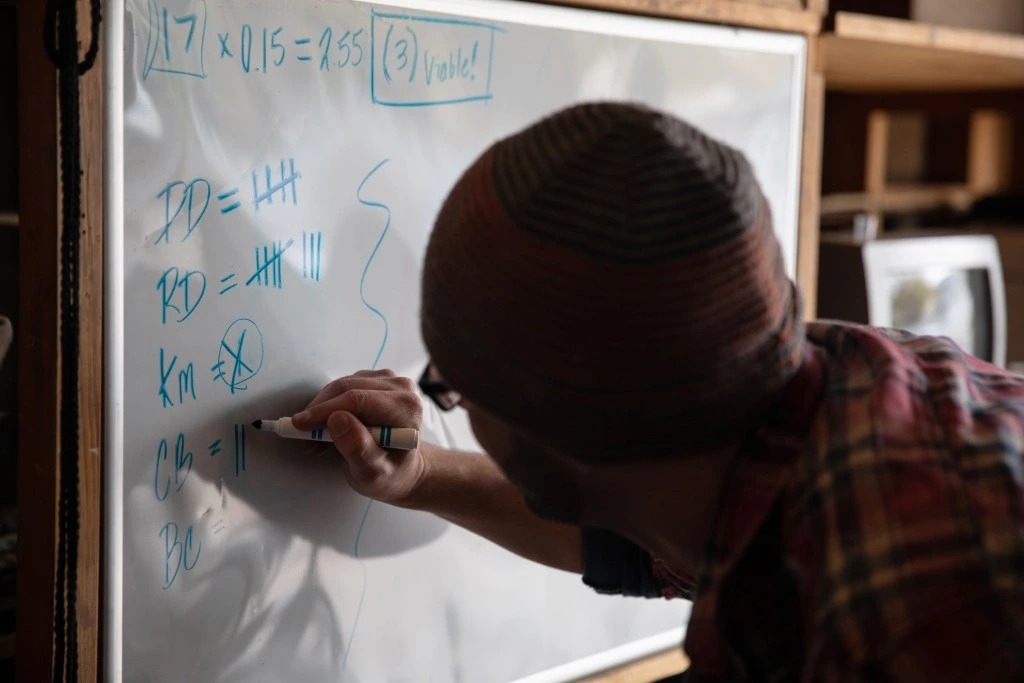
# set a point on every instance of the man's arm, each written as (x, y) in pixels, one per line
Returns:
(467, 489)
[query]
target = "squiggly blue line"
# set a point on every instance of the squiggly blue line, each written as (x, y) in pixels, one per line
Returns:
(380, 351)
(362, 280)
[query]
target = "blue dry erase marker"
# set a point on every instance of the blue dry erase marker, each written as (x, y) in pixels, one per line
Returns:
(397, 438)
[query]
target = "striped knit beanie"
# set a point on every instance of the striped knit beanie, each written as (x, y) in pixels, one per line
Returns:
(607, 282)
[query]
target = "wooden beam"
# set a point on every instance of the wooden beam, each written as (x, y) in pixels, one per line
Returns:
(784, 4)
(877, 158)
(872, 53)
(818, 6)
(37, 347)
(810, 183)
(898, 197)
(39, 344)
(90, 367)
(646, 670)
(745, 14)
(989, 163)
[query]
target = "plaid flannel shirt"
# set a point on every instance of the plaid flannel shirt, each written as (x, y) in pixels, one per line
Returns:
(872, 529)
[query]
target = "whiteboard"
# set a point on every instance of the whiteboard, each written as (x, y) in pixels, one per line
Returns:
(272, 173)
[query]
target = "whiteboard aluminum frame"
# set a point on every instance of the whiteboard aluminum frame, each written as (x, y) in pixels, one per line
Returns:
(531, 13)
(112, 508)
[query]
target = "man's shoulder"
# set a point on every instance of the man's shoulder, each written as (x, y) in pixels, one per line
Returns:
(895, 395)
(861, 353)
(909, 492)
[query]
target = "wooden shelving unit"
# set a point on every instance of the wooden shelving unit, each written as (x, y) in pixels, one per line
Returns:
(792, 16)
(970, 81)
(900, 64)
(866, 53)
(898, 198)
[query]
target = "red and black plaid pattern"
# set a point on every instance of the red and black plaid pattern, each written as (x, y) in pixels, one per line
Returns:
(874, 527)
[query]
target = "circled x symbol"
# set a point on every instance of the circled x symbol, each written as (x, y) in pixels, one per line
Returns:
(240, 355)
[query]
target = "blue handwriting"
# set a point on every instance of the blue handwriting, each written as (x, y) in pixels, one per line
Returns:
(413, 66)
(180, 292)
(262, 50)
(228, 285)
(175, 42)
(312, 247)
(177, 553)
(288, 180)
(186, 381)
(345, 51)
(376, 361)
(268, 271)
(240, 355)
(376, 247)
(231, 203)
(196, 206)
(182, 462)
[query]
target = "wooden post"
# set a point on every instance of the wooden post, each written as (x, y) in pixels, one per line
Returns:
(90, 362)
(810, 181)
(876, 165)
(39, 350)
(653, 668)
(989, 164)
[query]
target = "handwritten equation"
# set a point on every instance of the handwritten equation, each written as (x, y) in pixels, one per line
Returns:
(182, 545)
(180, 292)
(186, 201)
(412, 60)
(238, 360)
(183, 377)
(422, 61)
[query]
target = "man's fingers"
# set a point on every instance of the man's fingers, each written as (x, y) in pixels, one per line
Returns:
(340, 386)
(355, 443)
(375, 373)
(382, 380)
(372, 408)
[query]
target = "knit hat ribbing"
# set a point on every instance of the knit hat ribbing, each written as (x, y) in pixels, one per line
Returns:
(608, 281)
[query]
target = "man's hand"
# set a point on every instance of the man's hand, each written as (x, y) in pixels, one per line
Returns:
(346, 407)
(467, 489)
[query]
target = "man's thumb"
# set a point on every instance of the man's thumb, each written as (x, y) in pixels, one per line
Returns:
(350, 438)
(339, 424)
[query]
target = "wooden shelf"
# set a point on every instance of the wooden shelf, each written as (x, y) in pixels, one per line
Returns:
(773, 15)
(898, 198)
(867, 53)
(653, 668)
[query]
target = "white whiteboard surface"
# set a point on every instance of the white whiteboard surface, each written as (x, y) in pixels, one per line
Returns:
(273, 170)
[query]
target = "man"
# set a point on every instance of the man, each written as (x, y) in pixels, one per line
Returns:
(604, 294)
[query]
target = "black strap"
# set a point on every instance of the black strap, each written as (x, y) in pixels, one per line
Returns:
(61, 42)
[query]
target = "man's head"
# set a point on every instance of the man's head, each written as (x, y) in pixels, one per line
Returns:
(607, 283)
